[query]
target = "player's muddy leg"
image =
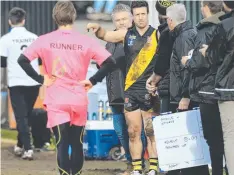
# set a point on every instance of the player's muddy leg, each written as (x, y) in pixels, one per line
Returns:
(151, 142)
(134, 122)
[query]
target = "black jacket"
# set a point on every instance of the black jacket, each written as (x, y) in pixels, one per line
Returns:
(184, 36)
(201, 86)
(221, 53)
(115, 79)
(162, 60)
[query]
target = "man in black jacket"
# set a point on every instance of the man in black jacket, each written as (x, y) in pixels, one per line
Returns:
(184, 37)
(202, 81)
(161, 75)
(221, 53)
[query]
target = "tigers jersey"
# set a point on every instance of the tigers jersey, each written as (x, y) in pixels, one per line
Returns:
(139, 51)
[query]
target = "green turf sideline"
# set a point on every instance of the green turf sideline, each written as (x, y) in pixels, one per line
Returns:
(8, 134)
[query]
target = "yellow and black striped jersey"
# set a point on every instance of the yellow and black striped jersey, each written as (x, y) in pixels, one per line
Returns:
(140, 57)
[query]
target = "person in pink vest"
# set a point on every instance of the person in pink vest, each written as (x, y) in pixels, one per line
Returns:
(65, 56)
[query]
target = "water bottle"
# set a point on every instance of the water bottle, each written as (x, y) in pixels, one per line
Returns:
(108, 111)
(100, 110)
(94, 116)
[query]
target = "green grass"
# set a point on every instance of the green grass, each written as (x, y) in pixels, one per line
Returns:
(12, 135)
(9, 134)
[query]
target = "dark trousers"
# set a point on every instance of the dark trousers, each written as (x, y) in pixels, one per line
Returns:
(23, 99)
(164, 104)
(40, 133)
(69, 135)
(200, 170)
(213, 134)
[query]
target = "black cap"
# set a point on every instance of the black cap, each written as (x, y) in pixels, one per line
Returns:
(229, 4)
(161, 6)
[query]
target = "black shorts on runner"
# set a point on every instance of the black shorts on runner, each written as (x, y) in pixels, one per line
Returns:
(141, 99)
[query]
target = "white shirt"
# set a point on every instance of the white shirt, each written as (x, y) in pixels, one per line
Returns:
(11, 46)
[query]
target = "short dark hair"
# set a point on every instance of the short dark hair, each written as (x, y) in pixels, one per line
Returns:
(64, 13)
(17, 15)
(138, 4)
(214, 6)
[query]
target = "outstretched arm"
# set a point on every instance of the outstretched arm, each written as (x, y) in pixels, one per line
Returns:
(108, 36)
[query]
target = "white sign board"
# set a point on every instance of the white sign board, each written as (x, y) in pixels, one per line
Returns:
(180, 141)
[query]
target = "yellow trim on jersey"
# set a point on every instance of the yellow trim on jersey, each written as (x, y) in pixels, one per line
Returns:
(142, 61)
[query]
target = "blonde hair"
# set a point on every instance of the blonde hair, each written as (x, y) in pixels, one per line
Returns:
(64, 13)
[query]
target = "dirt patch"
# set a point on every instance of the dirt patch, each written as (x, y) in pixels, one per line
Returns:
(45, 164)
